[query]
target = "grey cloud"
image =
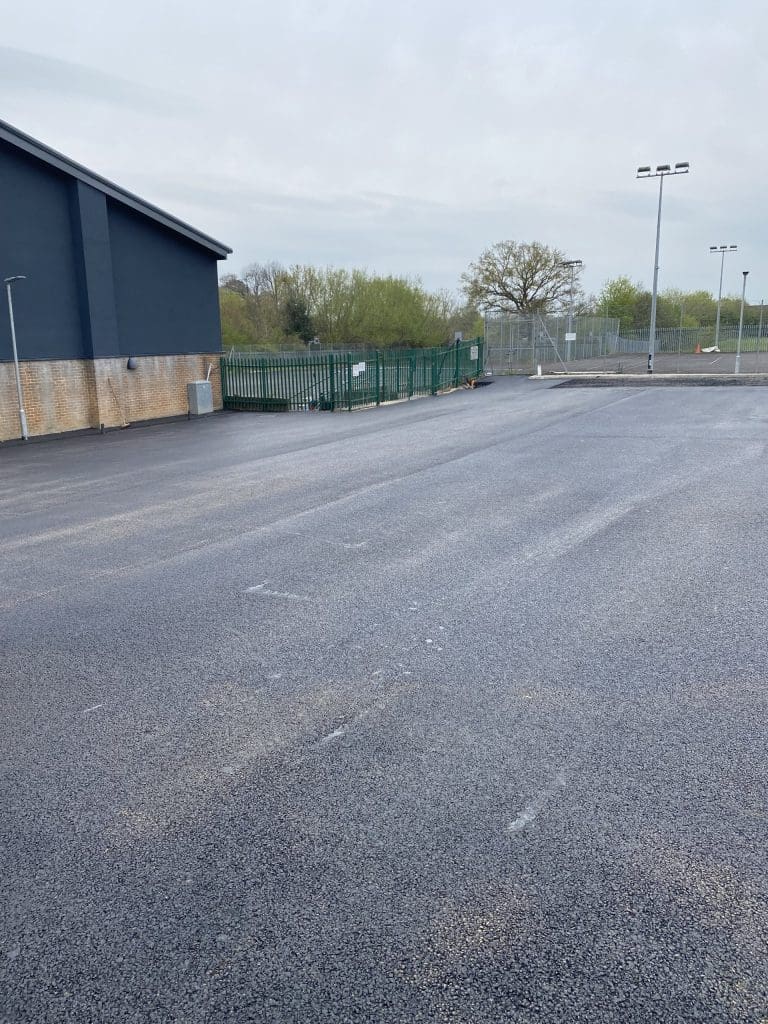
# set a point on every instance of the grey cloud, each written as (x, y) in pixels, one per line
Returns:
(407, 138)
(26, 72)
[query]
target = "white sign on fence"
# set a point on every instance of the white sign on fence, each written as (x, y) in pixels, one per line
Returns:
(357, 369)
(473, 352)
(570, 335)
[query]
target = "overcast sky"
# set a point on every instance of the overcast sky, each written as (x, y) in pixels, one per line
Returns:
(405, 137)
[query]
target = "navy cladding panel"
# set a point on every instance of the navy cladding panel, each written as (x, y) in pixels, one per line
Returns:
(94, 262)
(36, 240)
(166, 288)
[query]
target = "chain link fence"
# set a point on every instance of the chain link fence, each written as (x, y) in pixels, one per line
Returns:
(522, 344)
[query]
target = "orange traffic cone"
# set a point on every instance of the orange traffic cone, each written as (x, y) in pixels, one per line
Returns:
(697, 350)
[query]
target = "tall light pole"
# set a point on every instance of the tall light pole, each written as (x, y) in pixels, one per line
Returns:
(741, 321)
(661, 172)
(759, 335)
(569, 337)
(722, 250)
(22, 414)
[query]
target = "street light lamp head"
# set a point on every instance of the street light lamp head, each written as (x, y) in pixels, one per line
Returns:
(10, 280)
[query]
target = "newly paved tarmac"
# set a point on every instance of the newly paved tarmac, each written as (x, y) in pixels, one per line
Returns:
(451, 711)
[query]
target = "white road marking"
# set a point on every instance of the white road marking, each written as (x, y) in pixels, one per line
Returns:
(93, 707)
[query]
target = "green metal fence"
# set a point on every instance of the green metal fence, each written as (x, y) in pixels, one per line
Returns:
(267, 383)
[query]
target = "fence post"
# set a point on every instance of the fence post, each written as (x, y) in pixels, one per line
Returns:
(456, 373)
(349, 382)
(378, 383)
(434, 371)
(332, 380)
(224, 387)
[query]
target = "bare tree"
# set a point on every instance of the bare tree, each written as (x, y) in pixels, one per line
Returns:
(232, 283)
(520, 277)
(265, 279)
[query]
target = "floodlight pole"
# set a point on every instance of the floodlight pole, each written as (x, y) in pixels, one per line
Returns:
(741, 322)
(655, 292)
(22, 414)
(572, 264)
(661, 172)
(723, 250)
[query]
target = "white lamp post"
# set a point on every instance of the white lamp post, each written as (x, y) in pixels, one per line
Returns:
(759, 335)
(662, 171)
(22, 414)
(741, 322)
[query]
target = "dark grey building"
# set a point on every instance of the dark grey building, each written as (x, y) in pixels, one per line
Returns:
(108, 277)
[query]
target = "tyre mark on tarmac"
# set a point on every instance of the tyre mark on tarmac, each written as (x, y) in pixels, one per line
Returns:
(534, 807)
(134, 522)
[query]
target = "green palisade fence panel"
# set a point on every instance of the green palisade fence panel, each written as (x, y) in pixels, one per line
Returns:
(271, 383)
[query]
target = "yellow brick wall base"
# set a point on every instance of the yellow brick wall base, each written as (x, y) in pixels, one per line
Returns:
(74, 394)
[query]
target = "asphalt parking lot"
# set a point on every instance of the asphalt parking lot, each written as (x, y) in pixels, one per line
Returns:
(449, 711)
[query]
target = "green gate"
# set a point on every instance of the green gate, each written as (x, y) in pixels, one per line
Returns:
(267, 383)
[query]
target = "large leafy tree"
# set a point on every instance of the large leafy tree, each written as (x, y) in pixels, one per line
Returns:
(520, 277)
(622, 298)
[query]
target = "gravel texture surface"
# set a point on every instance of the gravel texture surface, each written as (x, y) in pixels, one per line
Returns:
(451, 711)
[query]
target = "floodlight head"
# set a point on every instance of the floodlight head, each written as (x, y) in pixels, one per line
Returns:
(663, 169)
(682, 167)
(745, 272)
(713, 248)
(643, 170)
(732, 247)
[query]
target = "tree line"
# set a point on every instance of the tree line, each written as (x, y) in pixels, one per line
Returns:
(630, 302)
(274, 307)
(270, 306)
